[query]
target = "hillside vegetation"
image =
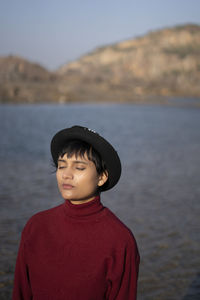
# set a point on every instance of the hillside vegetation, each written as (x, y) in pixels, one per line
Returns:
(164, 63)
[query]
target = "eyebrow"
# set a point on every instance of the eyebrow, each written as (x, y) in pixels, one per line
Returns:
(80, 162)
(61, 160)
(75, 161)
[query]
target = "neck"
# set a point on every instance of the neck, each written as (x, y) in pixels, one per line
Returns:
(77, 202)
(86, 209)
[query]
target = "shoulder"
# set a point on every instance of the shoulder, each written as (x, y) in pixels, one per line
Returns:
(116, 228)
(42, 219)
(45, 214)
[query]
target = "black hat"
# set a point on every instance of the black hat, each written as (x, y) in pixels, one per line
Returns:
(103, 147)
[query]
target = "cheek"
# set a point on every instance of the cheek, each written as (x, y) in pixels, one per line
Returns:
(88, 179)
(58, 176)
(94, 180)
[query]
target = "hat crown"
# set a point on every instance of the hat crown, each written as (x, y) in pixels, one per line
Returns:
(85, 128)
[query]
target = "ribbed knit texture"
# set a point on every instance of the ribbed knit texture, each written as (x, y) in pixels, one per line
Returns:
(76, 252)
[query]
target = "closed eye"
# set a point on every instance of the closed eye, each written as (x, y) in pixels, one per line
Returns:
(80, 168)
(61, 167)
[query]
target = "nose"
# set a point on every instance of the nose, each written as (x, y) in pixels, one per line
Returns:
(67, 174)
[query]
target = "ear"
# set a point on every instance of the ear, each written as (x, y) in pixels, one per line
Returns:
(103, 178)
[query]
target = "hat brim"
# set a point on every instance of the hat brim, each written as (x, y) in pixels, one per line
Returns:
(103, 147)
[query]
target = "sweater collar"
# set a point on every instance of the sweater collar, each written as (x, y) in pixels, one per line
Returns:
(83, 210)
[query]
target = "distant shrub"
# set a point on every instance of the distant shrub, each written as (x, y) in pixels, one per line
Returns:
(183, 51)
(192, 28)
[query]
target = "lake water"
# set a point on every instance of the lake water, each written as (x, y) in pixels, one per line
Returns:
(158, 195)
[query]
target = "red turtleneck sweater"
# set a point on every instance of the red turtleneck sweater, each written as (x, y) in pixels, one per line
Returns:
(76, 252)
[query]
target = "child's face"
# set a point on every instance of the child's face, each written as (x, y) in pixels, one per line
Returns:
(78, 179)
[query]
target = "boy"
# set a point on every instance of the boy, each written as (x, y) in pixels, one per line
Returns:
(78, 250)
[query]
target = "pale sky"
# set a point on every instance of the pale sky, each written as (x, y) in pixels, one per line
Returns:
(54, 32)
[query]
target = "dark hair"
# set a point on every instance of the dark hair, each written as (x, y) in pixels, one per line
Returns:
(81, 148)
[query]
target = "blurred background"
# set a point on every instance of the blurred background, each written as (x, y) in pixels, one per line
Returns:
(130, 70)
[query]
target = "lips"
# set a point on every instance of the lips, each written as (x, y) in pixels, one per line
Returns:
(67, 186)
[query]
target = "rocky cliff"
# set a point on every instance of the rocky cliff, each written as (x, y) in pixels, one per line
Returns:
(161, 63)
(22, 81)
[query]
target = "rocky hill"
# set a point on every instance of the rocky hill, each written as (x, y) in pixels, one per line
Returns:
(163, 63)
(22, 81)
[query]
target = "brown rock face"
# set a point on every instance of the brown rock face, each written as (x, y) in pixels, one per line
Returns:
(22, 81)
(161, 63)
